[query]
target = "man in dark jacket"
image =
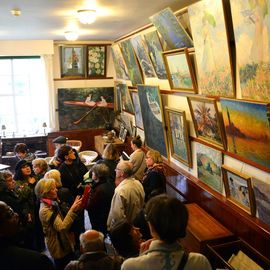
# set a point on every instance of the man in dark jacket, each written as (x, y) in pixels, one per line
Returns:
(94, 256)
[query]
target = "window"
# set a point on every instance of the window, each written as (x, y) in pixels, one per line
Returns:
(23, 95)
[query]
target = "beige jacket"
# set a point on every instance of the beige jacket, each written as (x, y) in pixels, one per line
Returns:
(137, 158)
(57, 236)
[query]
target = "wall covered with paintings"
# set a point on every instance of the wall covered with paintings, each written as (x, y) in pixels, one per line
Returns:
(212, 82)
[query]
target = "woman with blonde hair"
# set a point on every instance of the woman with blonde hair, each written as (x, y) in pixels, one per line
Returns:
(40, 167)
(55, 225)
(154, 180)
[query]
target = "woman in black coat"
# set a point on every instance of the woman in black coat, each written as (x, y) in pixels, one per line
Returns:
(101, 194)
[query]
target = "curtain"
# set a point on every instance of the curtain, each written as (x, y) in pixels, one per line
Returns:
(47, 60)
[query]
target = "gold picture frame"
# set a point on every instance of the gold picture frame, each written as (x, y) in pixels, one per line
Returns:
(207, 122)
(178, 135)
(180, 70)
(238, 189)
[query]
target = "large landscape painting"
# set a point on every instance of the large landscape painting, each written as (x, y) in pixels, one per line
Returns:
(83, 108)
(152, 115)
(247, 129)
(251, 24)
(211, 46)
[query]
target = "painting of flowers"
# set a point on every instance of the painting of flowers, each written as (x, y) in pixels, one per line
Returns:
(212, 49)
(209, 162)
(251, 24)
(171, 30)
(73, 61)
(180, 70)
(208, 126)
(262, 198)
(238, 189)
(178, 135)
(96, 60)
(247, 129)
(132, 65)
(119, 63)
(143, 57)
(152, 114)
(155, 52)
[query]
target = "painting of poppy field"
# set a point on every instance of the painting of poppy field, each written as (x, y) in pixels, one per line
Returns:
(247, 126)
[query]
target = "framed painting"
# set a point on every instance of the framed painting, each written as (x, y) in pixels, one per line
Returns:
(207, 123)
(251, 31)
(262, 198)
(137, 109)
(153, 118)
(212, 49)
(83, 108)
(126, 101)
(119, 63)
(178, 136)
(73, 61)
(132, 65)
(209, 162)
(123, 135)
(180, 71)
(171, 30)
(238, 189)
(117, 97)
(96, 66)
(121, 132)
(155, 52)
(247, 129)
(143, 57)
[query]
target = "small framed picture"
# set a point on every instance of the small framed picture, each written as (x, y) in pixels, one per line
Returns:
(73, 61)
(134, 130)
(123, 138)
(238, 189)
(121, 132)
(96, 66)
(140, 132)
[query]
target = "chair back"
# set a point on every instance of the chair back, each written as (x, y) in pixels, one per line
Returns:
(76, 144)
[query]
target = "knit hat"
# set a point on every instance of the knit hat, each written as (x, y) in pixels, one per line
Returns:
(20, 164)
(60, 139)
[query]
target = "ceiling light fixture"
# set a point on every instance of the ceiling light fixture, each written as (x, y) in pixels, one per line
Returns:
(15, 12)
(71, 35)
(86, 16)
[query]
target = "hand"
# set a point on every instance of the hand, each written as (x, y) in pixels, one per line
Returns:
(145, 245)
(77, 205)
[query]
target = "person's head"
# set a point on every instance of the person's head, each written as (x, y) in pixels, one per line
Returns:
(123, 170)
(167, 218)
(126, 239)
(110, 152)
(40, 165)
(153, 157)
(59, 141)
(46, 189)
(100, 172)
(9, 221)
(136, 143)
(23, 170)
(56, 175)
(20, 150)
(8, 179)
(66, 153)
(91, 241)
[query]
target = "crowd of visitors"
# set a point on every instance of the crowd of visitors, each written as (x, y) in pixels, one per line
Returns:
(43, 207)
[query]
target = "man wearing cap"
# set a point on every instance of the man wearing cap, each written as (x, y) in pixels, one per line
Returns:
(54, 163)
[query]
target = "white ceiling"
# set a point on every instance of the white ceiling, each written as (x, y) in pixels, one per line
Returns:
(49, 19)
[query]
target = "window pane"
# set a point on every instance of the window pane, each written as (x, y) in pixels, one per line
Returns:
(5, 84)
(5, 67)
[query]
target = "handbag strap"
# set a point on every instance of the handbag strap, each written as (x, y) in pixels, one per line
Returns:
(183, 261)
